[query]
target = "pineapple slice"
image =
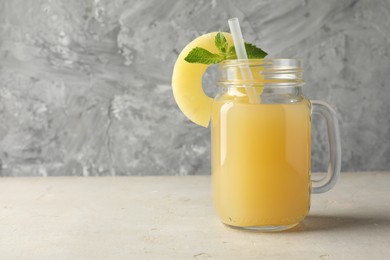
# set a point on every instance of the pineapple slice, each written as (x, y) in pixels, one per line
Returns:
(187, 81)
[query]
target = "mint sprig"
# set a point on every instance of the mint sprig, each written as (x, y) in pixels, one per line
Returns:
(221, 42)
(201, 55)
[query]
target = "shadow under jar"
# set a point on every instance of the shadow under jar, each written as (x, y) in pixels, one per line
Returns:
(261, 149)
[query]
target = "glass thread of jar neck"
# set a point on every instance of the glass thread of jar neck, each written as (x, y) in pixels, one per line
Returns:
(267, 95)
(276, 80)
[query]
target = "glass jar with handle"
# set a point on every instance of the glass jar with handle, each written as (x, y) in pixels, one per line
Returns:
(261, 151)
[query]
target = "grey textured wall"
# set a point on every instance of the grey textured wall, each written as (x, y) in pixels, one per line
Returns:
(85, 85)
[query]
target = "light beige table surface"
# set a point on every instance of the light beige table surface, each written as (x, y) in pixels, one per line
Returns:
(173, 218)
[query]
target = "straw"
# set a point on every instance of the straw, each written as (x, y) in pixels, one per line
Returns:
(239, 45)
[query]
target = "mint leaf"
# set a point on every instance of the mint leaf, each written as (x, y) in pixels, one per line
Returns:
(200, 55)
(231, 54)
(253, 52)
(221, 43)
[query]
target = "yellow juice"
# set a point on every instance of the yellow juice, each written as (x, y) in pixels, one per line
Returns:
(261, 163)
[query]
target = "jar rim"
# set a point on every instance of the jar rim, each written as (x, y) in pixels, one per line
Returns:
(265, 72)
(295, 63)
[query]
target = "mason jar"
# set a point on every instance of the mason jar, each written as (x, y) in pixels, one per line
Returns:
(261, 144)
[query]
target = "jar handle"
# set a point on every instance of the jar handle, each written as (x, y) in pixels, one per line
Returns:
(326, 111)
